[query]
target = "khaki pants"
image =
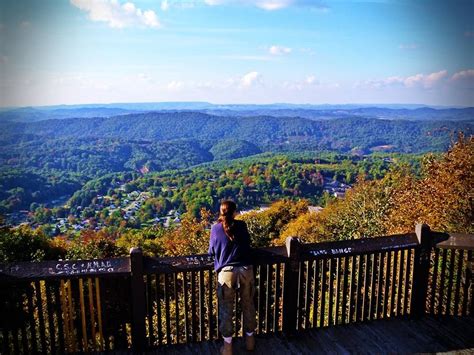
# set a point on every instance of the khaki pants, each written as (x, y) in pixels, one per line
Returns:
(229, 279)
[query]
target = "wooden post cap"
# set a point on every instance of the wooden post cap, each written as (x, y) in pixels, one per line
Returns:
(291, 243)
(422, 232)
(136, 250)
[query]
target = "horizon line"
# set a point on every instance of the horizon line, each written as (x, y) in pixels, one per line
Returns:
(365, 104)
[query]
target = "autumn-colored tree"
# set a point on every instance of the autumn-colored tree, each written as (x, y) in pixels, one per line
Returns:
(259, 226)
(149, 239)
(92, 244)
(265, 227)
(443, 197)
(190, 237)
(362, 213)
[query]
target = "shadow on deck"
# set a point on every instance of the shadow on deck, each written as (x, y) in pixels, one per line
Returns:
(428, 335)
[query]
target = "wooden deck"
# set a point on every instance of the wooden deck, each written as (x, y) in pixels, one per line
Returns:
(429, 335)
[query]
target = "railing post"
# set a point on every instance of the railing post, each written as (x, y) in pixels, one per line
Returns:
(138, 300)
(421, 268)
(290, 286)
(469, 279)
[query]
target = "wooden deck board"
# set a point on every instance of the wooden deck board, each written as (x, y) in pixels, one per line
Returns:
(356, 339)
(427, 335)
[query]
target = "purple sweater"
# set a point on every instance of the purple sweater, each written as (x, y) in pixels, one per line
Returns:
(227, 252)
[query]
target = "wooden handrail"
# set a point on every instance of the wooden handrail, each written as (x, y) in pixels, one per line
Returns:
(117, 266)
(46, 270)
(457, 241)
(358, 246)
(169, 300)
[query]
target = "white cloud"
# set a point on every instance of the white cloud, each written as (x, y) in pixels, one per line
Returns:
(408, 46)
(465, 74)
(426, 81)
(250, 79)
(165, 5)
(117, 15)
(310, 80)
(185, 4)
(413, 80)
(463, 79)
(150, 19)
(263, 4)
(273, 4)
(237, 83)
(174, 85)
(214, 2)
(390, 81)
(279, 50)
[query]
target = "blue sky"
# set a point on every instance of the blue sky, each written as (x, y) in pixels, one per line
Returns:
(229, 51)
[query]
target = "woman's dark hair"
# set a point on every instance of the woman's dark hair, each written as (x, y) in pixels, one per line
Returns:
(226, 217)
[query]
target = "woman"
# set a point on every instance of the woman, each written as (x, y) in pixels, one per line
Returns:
(230, 246)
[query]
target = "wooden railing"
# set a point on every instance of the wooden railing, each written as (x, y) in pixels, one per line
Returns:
(144, 303)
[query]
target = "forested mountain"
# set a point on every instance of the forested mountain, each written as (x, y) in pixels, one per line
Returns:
(107, 226)
(43, 170)
(328, 112)
(268, 132)
(30, 114)
(319, 112)
(41, 161)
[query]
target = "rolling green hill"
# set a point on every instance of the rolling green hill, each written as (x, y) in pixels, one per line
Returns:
(60, 156)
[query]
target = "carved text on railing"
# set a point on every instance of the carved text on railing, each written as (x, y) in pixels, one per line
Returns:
(82, 267)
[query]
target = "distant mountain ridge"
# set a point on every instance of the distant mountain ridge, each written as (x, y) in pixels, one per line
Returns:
(268, 132)
(394, 111)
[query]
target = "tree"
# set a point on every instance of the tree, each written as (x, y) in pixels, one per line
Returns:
(24, 244)
(150, 240)
(43, 215)
(265, 227)
(442, 197)
(191, 237)
(93, 245)
(362, 213)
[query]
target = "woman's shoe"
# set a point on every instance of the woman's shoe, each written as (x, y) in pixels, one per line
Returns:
(250, 342)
